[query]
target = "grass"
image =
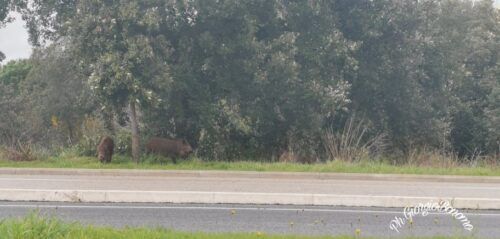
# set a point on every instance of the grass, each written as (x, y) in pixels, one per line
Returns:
(377, 167)
(34, 226)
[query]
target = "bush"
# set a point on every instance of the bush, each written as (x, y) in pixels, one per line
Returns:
(123, 141)
(353, 143)
(23, 152)
(93, 130)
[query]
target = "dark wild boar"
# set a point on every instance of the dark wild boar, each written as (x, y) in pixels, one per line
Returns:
(105, 149)
(172, 148)
(291, 157)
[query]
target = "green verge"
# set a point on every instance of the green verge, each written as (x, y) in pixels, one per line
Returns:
(377, 167)
(34, 226)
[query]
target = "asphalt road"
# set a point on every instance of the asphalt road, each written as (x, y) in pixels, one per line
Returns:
(301, 220)
(204, 187)
(252, 185)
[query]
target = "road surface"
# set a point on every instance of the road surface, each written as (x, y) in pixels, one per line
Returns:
(144, 198)
(298, 220)
(253, 188)
(259, 184)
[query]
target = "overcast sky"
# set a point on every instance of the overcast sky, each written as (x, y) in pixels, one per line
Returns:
(14, 40)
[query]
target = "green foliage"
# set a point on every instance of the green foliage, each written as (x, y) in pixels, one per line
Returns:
(38, 226)
(4, 11)
(422, 163)
(34, 226)
(43, 99)
(242, 79)
(423, 65)
(475, 52)
(92, 132)
(9, 119)
(56, 97)
(14, 72)
(12, 122)
(122, 142)
(493, 118)
(240, 90)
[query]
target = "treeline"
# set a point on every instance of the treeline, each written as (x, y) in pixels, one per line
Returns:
(254, 79)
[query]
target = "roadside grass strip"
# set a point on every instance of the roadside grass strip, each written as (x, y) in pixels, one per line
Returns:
(36, 226)
(148, 162)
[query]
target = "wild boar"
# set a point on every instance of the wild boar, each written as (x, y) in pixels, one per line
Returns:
(105, 149)
(291, 157)
(172, 148)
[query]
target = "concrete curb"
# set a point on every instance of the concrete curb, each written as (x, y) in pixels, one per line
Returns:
(249, 174)
(99, 196)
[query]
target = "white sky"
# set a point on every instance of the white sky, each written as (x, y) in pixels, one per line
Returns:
(14, 39)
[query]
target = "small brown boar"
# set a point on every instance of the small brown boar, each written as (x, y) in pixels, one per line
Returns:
(105, 149)
(291, 157)
(172, 148)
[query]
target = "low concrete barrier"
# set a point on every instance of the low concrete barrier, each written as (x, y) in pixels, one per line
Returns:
(101, 196)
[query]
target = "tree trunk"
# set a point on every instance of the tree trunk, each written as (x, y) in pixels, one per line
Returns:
(135, 133)
(109, 119)
(70, 132)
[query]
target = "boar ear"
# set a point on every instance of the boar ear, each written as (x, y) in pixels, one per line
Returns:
(184, 141)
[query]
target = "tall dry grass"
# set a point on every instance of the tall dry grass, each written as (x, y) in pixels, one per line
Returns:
(353, 143)
(22, 152)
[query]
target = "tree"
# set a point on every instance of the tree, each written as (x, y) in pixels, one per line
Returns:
(44, 99)
(256, 77)
(10, 125)
(4, 10)
(394, 86)
(11, 103)
(473, 30)
(254, 85)
(56, 95)
(6, 6)
(121, 46)
(14, 72)
(130, 52)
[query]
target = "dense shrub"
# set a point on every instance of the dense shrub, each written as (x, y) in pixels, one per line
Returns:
(253, 79)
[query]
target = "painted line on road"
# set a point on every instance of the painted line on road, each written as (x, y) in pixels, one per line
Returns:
(193, 208)
(221, 209)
